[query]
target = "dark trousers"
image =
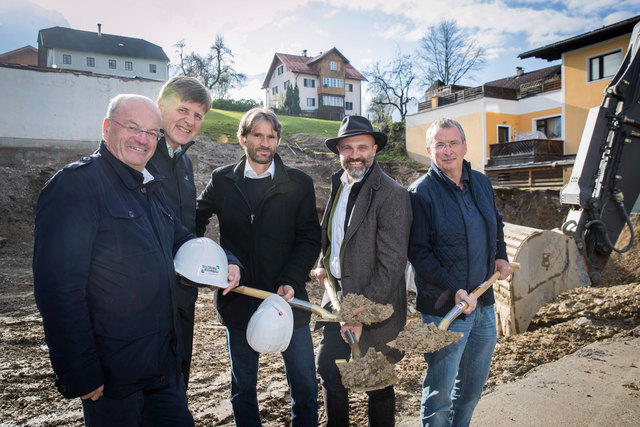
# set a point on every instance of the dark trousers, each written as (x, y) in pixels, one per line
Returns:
(165, 407)
(299, 370)
(187, 296)
(381, 403)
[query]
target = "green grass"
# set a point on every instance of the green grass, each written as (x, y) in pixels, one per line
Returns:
(220, 122)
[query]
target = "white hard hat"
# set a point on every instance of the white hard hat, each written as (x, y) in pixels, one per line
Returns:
(271, 326)
(202, 262)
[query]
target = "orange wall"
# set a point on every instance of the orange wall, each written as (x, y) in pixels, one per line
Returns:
(581, 95)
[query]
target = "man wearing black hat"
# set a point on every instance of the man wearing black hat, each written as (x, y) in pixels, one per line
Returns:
(365, 235)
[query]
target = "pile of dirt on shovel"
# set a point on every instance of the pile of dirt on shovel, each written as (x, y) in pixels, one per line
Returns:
(371, 372)
(423, 338)
(358, 308)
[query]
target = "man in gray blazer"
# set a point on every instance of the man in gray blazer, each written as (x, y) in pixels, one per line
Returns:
(365, 235)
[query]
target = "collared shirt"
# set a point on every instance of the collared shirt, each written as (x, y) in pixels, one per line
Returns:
(146, 176)
(251, 174)
(476, 231)
(171, 151)
(338, 224)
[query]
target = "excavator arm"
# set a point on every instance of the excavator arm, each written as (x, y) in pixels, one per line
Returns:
(605, 182)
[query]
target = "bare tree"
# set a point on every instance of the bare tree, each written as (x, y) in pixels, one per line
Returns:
(447, 53)
(216, 70)
(391, 84)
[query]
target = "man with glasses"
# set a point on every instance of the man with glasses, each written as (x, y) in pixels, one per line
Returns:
(183, 103)
(104, 280)
(456, 243)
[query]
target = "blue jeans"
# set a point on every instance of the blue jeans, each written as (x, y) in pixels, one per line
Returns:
(456, 374)
(300, 371)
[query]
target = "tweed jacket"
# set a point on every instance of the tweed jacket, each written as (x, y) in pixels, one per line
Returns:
(374, 253)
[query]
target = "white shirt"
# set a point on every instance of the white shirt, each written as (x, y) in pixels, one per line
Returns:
(337, 225)
(171, 151)
(251, 174)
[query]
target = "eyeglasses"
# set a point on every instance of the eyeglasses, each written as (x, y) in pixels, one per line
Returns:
(135, 130)
(452, 145)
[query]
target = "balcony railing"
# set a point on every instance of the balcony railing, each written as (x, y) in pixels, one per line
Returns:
(526, 151)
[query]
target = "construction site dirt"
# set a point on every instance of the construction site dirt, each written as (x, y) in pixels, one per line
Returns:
(572, 322)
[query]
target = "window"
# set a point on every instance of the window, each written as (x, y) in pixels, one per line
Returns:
(333, 65)
(349, 87)
(66, 59)
(112, 64)
(280, 69)
(332, 101)
(603, 66)
(329, 82)
(503, 134)
(311, 102)
(274, 90)
(286, 84)
(551, 127)
(152, 68)
(309, 83)
(91, 61)
(128, 65)
(348, 105)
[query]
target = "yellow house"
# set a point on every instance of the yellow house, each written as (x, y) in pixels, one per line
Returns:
(524, 130)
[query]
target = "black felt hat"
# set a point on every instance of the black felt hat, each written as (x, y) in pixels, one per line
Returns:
(356, 125)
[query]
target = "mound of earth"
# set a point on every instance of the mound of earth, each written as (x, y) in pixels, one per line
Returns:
(370, 372)
(569, 323)
(358, 308)
(423, 338)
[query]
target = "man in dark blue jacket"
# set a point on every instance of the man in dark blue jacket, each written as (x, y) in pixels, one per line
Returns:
(268, 219)
(104, 280)
(183, 103)
(456, 243)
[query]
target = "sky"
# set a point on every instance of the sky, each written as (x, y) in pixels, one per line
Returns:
(364, 31)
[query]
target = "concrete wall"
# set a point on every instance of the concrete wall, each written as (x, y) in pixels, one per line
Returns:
(57, 111)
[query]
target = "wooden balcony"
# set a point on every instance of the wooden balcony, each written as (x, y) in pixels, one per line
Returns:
(528, 163)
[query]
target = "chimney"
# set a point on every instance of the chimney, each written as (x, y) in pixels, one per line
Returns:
(99, 30)
(519, 71)
(304, 52)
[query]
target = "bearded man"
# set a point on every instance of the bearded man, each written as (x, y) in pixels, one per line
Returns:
(365, 235)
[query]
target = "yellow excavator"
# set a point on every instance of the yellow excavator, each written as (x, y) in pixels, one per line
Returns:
(604, 185)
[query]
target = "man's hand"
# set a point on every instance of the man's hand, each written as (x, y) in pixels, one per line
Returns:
(233, 278)
(95, 394)
(355, 327)
(320, 274)
(286, 292)
(471, 300)
(503, 266)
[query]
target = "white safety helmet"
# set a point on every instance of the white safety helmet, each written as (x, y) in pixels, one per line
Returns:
(202, 262)
(271, 326)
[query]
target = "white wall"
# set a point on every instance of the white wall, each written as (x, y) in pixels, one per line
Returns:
(60, 106)
(354, 97)
(79, 62)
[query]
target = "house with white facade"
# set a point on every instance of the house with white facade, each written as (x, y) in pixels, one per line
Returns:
(100, 53)
(330, 87)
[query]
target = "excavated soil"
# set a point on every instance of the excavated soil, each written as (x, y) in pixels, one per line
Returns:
(420, 338)
(358, 308)
(370, 372)
(565, 325)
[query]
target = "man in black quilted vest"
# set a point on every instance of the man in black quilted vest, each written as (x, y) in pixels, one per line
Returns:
(456, 243)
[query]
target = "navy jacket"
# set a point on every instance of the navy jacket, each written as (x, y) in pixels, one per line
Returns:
(176, 175)
(439, 245)
(278, 243)
(104, 279)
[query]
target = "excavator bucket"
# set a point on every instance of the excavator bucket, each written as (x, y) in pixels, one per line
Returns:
(549, 265)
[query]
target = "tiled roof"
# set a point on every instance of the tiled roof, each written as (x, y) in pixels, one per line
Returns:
(554, 51)
(514, 82)
(302, 64)
(108, 44)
